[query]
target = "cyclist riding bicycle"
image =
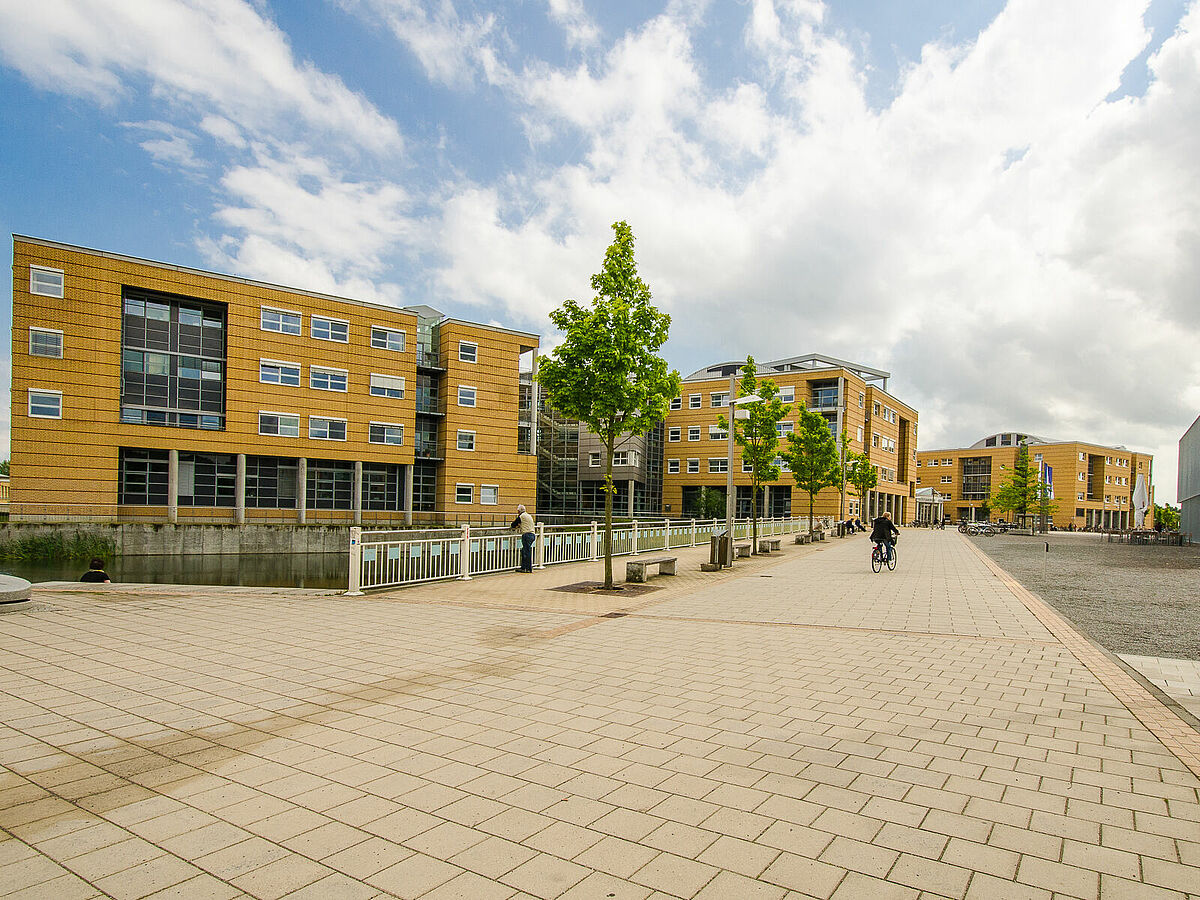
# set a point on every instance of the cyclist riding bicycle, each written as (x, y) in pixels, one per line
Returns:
(884, 533)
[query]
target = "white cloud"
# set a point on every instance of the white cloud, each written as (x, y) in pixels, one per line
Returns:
(219, 56)
(573, 18)
(174, 146)
(450, 48)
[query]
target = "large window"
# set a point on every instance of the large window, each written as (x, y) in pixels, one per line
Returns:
(279, 320)
(271, 482)
(330, 484)
(389, 386)
(387, 338)
(279, 424)
(45, 404)
(172, 361)
(718, 465)
(330, 329)
(207, 479)
(46, 282)
(382, 486)
(468, 351)
(271, 371)
(323, 379)
(321, 428)
(386, 433)
(143, 477)
(46, 342)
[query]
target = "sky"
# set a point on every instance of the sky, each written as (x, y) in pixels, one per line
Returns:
(998, 202)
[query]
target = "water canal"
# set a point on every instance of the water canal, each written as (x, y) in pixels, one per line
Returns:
(302, 570)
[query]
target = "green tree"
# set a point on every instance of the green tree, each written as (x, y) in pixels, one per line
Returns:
(757, 436)
(812, 455)
(4, 467)
(607, 372)
(862, 476)
(709, 503)
(1167, 515)
(1023, 493)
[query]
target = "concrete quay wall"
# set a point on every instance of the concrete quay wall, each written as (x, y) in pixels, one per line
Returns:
(179, 540)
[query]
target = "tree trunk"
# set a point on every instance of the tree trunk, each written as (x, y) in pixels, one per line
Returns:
(753, 518)
(609, 489)
(811, 502)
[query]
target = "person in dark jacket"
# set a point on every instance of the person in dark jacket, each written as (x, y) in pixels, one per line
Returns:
(884, 533)
(96, 572)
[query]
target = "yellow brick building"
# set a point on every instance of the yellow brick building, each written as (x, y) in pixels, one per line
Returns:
(852, 397)
(1093, 485)
(143, 391)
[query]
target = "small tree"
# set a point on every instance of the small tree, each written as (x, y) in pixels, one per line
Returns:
(1022, 492)
(861, 475)
(4, 467)
(1167, 515)
(812, 456)
(709, 503)
(607, 372)
(757, 436)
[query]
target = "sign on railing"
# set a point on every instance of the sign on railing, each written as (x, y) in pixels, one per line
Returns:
(393, 558)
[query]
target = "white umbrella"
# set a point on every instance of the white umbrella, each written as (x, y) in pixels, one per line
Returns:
(1141, 502)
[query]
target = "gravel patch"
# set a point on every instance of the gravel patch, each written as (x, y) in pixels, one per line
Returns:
(1143, 600)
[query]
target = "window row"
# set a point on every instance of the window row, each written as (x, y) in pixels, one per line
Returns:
(210, 479)
(323, 328)
(620, 458)
(324, 378)
(489, 494)
(718, 466)
(719, 399)
(323, 428)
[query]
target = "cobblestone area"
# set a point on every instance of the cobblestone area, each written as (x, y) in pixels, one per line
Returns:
(797, 728)
(1140, 600)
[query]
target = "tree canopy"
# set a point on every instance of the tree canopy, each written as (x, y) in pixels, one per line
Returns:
(607, 372)
(812, 456)
(757, 435)
(1022, 491)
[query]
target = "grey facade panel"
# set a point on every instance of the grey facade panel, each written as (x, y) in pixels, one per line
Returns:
(1189, 480)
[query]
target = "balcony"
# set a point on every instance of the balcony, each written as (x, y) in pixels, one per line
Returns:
(429, 406)
(428, 358)
(427, 449)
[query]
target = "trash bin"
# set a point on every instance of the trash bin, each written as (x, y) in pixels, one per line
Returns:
(718, 548)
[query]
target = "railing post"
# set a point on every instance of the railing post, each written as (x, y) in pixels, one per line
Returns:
(464, 554)
(595, 539)
(355, 586)
(666, 534)
(539, 549)
(693, 543)
(634, 540)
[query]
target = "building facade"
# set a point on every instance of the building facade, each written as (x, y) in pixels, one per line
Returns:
(853, 398)
(1092, 485)
(1189, 480)
(144, 391)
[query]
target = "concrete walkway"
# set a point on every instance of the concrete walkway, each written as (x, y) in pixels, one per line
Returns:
(800, 727)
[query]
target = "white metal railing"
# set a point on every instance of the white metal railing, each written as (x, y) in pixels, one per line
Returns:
(392, 558)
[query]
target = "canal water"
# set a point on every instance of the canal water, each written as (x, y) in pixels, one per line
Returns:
(301, 570)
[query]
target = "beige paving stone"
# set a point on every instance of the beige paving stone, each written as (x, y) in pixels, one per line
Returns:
(281, 877)
(675, 874)
(615, 856)
(545, 876)
(366, 858)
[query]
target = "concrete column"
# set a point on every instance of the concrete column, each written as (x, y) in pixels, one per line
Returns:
(357, 502)
(173, 486)
(239, 491)
(408, 493)
(630, 504)
(302, 490)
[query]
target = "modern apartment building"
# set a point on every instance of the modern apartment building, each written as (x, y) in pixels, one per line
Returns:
(1093, 485)
(152, 392)
(852, 397)
(1189, 480)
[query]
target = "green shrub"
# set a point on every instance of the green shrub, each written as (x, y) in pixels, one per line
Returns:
(57, 545)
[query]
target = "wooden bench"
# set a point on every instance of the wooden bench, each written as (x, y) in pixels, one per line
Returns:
(766, 545)
(742, 550)
(635, 569)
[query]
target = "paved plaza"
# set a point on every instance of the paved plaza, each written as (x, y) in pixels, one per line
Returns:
(797, 728)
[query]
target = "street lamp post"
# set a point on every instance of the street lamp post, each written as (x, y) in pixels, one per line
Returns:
(730, 501)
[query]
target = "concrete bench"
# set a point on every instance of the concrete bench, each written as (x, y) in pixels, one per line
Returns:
(766, 545)
(802, 538)
(635, 569)
(742, 550)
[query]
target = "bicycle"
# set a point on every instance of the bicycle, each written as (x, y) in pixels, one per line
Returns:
(879, 559)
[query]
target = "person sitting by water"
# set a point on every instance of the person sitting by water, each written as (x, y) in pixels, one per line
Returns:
(96, 572)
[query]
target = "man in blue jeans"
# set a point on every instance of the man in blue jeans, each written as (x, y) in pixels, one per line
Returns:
(884, 533)
(523, 524)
